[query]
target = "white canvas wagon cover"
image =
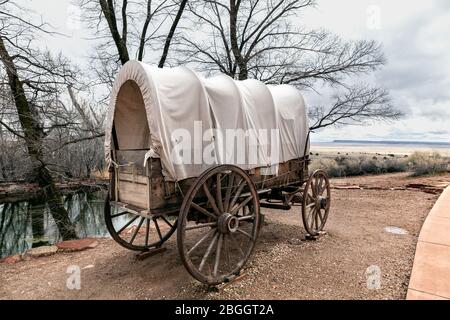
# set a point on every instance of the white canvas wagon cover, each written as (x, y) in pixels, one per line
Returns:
(165, 110)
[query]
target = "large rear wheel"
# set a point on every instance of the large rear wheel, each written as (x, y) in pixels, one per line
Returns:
(218, 224)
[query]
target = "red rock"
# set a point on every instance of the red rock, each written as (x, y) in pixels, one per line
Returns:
(12, 259)
(43, 251)
(77, 245)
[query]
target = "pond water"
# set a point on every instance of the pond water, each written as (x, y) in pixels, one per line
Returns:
(24, 225)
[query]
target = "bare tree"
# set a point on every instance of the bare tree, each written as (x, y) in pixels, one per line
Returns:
(88, 147)
(36, 80)
(125, 29)
(262, 39)
(353, 106)
(13, 156)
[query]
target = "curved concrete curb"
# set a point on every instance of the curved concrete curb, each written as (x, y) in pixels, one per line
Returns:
(430, 277)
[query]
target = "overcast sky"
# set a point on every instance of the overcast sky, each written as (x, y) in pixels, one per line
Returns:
(415, 37)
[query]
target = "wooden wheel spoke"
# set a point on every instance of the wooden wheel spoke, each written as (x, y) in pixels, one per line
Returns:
(320, 215)
(313, 188)
(219, 191)
(227, 252)
(311, 214)
(208, 252)
(118, 214)
(244, 233)
(238, 193)
(311, 205)
(248, 217)
(226, 202)
(218, 252)
(241, 205)
(126, 225)
(201, 241)
(137, 230)
(166, 221)
(147, 232)
(321, 185)
(236, 244)
(211, 200)
(158, 229)
(316, 219)
(204, 211)
(236, 186)
(202, 225)
(310, 197)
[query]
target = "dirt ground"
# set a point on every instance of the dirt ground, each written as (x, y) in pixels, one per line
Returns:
(283, 266)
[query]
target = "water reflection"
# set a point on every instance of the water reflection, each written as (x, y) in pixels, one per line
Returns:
(24, 225)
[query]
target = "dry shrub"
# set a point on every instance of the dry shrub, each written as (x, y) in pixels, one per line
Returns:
(353, 166)
(423, 163)
(330, 166)
(395, 165)
(100, 174)
(371, 165)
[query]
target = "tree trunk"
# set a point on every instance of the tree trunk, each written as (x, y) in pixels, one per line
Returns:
(2, 162)
(240, 59)
(243, 71)
(88, 123)
(36, 211)
(3, 170)
(120, 41)
(34, 136)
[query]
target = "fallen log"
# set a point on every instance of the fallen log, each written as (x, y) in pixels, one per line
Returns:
(10, 192)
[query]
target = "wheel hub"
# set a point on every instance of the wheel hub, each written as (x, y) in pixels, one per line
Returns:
(227, 223)
(321, 202)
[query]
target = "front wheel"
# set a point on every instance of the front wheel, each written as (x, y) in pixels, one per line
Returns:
(136, 232)
(316, 202)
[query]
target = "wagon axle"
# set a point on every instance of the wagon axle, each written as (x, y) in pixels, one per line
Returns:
(322, 202)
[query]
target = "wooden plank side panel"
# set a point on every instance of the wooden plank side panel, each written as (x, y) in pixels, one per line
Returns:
(133, 187)
(135, 178)
(133, 193)
(132, 162)
(291, 172)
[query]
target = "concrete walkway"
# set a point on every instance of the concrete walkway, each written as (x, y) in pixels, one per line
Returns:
(430, 277)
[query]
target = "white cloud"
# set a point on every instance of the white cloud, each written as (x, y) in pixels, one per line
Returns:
(414, 36)
(415, 40)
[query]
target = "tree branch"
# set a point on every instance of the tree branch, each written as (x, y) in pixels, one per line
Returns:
(171, 33)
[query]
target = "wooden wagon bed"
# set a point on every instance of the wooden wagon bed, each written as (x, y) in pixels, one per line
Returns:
(141, 187)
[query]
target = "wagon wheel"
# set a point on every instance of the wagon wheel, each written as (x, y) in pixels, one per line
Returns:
(218, 224)
(316, 202)
(136, 232)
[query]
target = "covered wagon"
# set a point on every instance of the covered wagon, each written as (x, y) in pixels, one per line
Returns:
(201, 156)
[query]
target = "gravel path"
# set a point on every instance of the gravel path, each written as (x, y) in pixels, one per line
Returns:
(284, 266)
